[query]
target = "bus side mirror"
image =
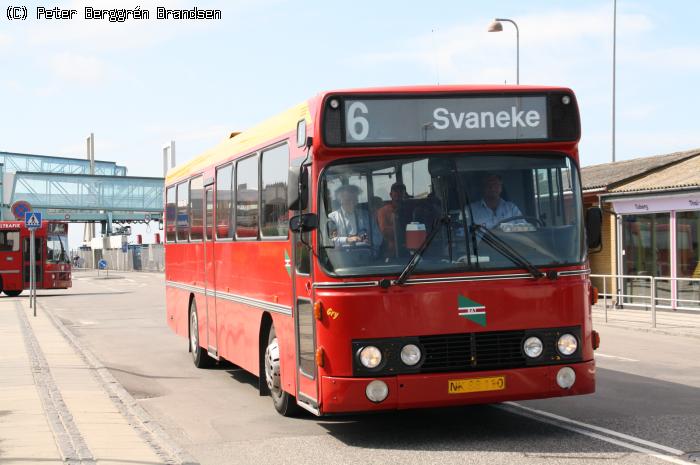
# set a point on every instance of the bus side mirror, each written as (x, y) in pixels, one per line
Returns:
(297, 195)
(594, 228)
(303, 223)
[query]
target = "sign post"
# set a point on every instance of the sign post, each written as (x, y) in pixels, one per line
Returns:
(32, 221)
(102, 265)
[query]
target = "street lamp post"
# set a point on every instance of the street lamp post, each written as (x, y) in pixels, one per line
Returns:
(497, 26)
(613, 76)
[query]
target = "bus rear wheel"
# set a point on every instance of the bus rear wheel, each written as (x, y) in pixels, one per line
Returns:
(14, 293)
(285, 403)
(200, 358)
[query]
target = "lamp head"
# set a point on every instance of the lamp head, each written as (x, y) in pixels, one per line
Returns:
(495, 26)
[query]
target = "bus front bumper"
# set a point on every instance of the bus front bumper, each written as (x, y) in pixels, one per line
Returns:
(345, 395)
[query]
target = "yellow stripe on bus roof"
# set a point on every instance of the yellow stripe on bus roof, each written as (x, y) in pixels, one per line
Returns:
(254, 137)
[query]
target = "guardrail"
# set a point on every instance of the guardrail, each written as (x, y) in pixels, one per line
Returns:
(651, 297)
(675, 300)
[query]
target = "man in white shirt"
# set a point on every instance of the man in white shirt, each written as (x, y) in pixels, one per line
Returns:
(492, 209)
(351, 226)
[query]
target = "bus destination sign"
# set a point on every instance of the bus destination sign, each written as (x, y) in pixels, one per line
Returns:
(445, 119)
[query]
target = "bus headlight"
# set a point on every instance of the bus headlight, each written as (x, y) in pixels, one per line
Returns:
(567, 344)
(410, 354)
(370, 356)
(533, 347)
(566, 377)
(377, 391)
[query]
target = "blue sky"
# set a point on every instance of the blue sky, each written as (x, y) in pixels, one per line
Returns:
(139, 84)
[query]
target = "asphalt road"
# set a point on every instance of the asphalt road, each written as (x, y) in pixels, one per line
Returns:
(646, 408)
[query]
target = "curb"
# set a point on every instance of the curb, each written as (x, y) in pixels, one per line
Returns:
(154, 435)
(69, 440)
(665, 332)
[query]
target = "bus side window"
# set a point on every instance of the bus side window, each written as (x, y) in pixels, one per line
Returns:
(170, 214)
(224, 202)
(183, 218)
(196, 209)
(275, 215)
(247, 202)
(9, 241)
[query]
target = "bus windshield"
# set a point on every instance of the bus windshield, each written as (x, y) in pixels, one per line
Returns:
(375, 214)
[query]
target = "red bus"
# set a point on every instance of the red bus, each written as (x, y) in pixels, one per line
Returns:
(475, 289)
(53, 268)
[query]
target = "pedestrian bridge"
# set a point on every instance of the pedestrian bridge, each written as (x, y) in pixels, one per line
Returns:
(62, 189)
(14, 162)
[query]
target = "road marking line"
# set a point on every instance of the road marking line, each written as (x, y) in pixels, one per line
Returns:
(616, 357)
(582, 428)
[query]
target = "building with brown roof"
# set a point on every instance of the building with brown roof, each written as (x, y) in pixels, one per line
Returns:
(651, 227)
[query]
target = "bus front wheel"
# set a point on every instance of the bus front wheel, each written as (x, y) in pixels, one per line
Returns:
(199, 356)
(284, 403)
(14, 293)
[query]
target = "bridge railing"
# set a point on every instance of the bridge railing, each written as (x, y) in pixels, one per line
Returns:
(59, 165)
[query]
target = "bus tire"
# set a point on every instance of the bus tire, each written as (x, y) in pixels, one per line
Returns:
(284, 402)
(14, 293)
(200, 357)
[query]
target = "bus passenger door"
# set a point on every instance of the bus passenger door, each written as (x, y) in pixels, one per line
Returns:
(209, 272)
(304, 324)
(38, 261)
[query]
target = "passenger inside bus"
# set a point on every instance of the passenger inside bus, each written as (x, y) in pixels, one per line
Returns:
(349, 225)
(392, 223)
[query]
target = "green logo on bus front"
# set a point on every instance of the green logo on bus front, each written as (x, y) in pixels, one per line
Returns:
(471, 310)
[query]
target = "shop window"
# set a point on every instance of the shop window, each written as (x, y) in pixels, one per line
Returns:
(688, 259)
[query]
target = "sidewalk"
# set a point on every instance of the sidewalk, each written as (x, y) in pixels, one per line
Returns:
(678, 323)
(55, 406)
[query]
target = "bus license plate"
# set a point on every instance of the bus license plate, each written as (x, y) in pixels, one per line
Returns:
(462, 386)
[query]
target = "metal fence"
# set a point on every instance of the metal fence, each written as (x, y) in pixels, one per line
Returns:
(136, 258)
(152, 258)
(642, 291)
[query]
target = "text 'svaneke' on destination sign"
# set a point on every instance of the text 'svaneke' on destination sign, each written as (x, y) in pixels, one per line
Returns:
(446, 119)
(374, 120)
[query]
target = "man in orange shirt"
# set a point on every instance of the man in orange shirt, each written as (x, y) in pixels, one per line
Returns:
(387, 218)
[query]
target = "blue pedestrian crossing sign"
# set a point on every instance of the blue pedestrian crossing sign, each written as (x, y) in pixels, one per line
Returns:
(32, 220)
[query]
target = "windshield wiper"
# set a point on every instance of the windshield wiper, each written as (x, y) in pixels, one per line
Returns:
(506, 250)
(411, 265)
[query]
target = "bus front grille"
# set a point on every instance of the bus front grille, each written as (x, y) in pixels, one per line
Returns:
(473, 351)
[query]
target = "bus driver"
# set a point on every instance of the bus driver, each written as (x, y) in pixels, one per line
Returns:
(492, 209)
